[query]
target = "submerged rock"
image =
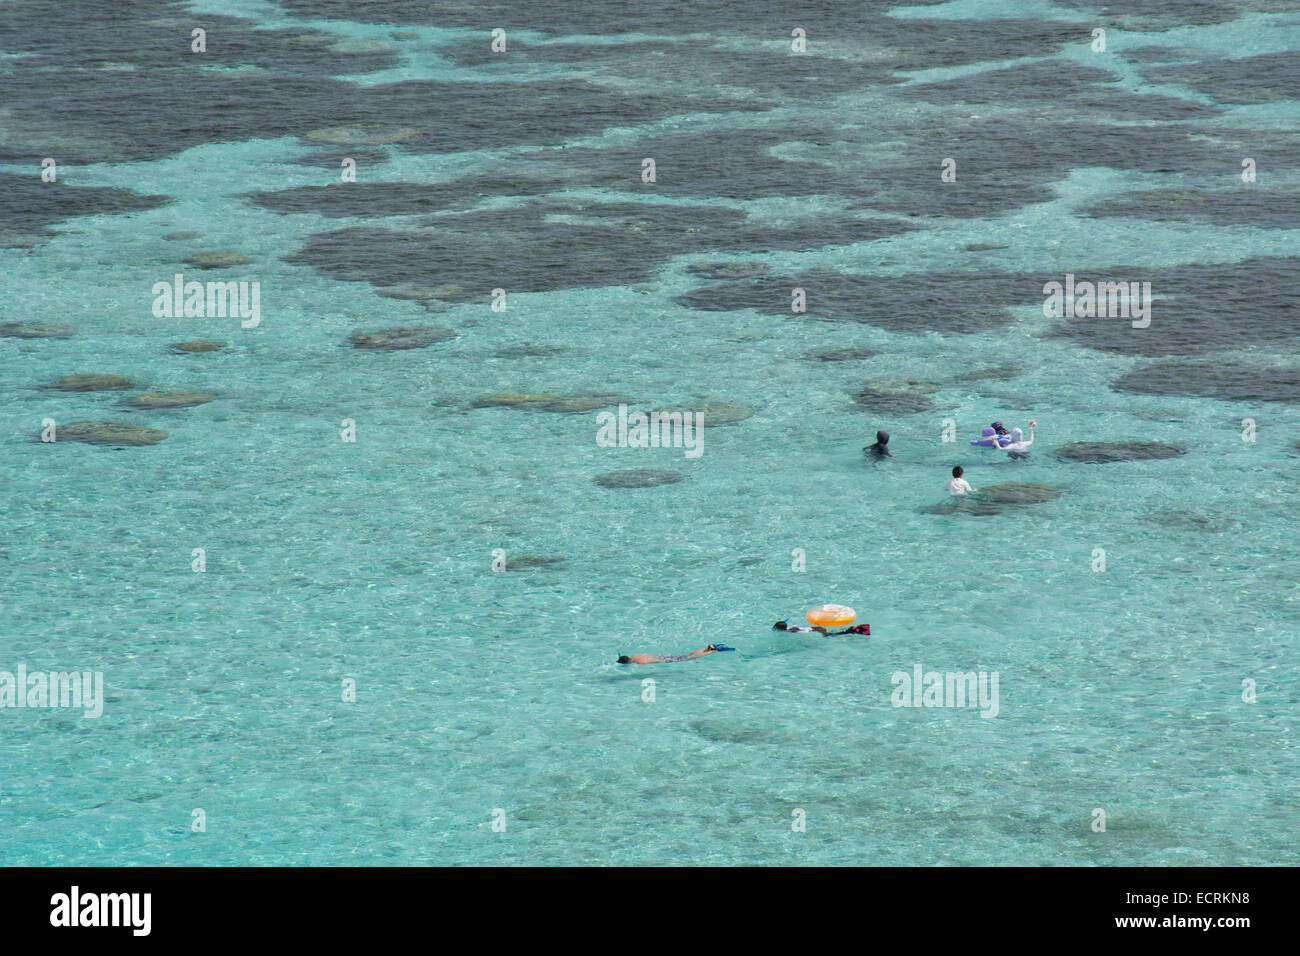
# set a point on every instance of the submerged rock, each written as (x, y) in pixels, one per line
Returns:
(527, 350)
(1147, 826)
(362, 134)
(965, 505)
(1158, 415)
(1177, 519)
(986, 246)
(179, 236)
(314, 38)
(715, 413)
(167, 400)
(905, 385)
(842, 355)
(91, 383)
(1018, 493)
(990, 371)
(1097, 452)
(360, 45)
(400, 337)
(729, 270)
(19, 240)
(551, 401)
(37, 330)
(893, 402)
(638, 478)
(526, 561)
(1234, 381)
(514, 399)
(581, 403)
(197, 345)
(736, 732)
(412, 290)
(218, 259)
(108, 433)
(995, 499)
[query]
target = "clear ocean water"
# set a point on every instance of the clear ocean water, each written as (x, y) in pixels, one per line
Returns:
(371, 561)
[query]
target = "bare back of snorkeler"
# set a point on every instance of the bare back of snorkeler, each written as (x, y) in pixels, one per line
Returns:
(864, 629)
(799, 629)
(670, 658)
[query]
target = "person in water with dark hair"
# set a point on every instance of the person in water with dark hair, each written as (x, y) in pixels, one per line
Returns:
(864, 629)
(671, 658)
(881, 448)
(958, 485)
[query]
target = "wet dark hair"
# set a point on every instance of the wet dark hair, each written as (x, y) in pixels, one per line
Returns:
(624, 660)
(882, 438)
(780, 626)
(956, 471)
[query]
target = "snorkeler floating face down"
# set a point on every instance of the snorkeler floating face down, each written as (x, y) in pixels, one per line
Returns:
(862, 629)
(671, 658)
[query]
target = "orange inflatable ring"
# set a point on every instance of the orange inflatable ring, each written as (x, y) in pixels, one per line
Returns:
(831, 615)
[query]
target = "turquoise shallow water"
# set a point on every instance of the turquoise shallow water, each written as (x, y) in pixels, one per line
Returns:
(477, 690)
